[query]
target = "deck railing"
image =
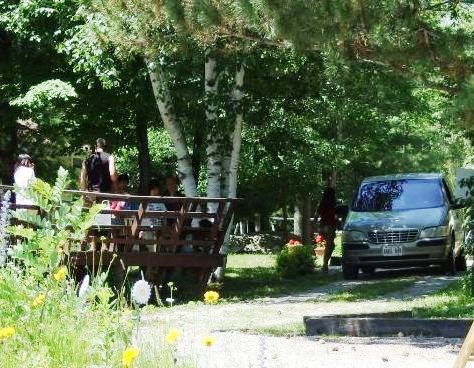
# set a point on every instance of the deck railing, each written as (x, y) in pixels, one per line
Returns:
(187, 238)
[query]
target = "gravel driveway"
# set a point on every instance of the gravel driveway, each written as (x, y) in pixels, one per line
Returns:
(240, 349)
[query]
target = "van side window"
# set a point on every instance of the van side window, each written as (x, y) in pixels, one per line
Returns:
(448, 191)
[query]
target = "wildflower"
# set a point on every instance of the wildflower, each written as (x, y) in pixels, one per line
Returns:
(38, 300)
(172, 336)
(6, 332)
(129, 355)
(60, 274)
(141, 292)
(4, 223)
(211, 297)
(208, 341)
(84, 286)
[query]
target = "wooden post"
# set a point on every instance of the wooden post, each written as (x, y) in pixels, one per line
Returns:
(466, 350)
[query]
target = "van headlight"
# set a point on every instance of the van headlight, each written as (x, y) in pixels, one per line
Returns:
(353, 236)
(435, 232)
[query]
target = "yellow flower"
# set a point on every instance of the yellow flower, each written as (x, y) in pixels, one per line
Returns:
(172, 336)
(38, 300)
(6, 332)
(211, 297)
(129, 355)
(208, 341)
(60, 274)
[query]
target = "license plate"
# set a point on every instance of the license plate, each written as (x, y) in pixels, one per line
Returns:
(392, 250)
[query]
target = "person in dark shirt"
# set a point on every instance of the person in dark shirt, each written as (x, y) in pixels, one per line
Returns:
(98, 171)
(328, 221)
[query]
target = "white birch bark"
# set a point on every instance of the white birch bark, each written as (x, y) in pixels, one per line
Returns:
(214, 161)
(175, 130)
(230, 189)
(298, 218)
(232, 165)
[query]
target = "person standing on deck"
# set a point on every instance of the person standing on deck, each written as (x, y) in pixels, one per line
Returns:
(98, 171)
(24, 175)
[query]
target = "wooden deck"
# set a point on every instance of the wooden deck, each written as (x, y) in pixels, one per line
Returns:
(182, 238)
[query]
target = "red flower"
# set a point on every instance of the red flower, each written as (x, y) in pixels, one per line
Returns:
(319, 239)
(294, 243)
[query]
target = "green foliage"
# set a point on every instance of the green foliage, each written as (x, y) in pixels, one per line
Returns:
(455, 301)
(56, 325)
(162, 154)
(295, 260)
(45, 94)
(465, 103)
(58, 228)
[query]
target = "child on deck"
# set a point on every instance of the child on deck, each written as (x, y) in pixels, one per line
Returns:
(153, 222)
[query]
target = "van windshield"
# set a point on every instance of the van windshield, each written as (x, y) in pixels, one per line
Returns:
(390, 195)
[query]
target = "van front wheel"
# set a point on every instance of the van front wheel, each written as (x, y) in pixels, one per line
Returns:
(349, 271)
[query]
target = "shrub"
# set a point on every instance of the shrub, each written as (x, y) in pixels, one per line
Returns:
(295, 259)
(47, 320)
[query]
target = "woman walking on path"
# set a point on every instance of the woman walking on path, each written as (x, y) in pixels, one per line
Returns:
(24, 175)
(328, 221)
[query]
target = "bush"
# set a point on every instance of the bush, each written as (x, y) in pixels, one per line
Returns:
(295, 259)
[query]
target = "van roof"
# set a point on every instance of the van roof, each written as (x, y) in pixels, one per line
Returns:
(403, 177)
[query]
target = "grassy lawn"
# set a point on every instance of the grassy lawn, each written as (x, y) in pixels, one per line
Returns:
(252, 276)
(451, 302)
(371, 290)
(289, 330)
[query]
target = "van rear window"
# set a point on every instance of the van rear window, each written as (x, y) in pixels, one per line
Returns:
(390, 195)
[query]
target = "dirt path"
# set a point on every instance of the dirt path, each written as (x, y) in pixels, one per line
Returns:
(286, 310)
(235, 348)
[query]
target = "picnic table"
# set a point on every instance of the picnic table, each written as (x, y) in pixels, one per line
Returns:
(187, 242)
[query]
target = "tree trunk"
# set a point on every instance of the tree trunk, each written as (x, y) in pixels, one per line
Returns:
(144, 161)
(214, 159)
(332, 181)
(163, 100)
(231, 162)
(285, 222)
(236, 137)
(258, 223)
(307, 226)
(298, 217)
(198, 140)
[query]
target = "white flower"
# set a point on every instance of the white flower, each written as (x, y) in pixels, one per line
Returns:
(141, 292)
(169, 300)
(84, 286)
